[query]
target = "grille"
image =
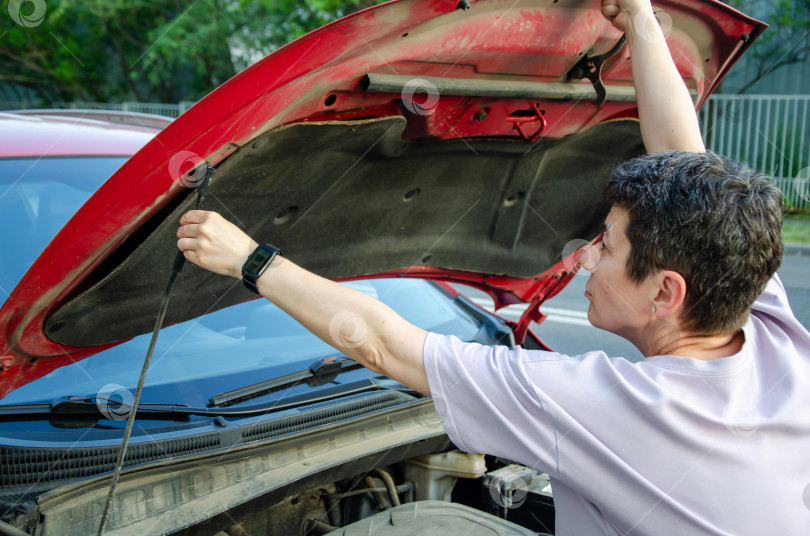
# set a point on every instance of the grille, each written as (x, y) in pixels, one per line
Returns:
(326, 413)
(21, 466)
(24, 466)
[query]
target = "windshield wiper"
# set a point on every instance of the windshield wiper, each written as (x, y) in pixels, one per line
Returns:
(319, 373)
(92, 407)
(89, 408)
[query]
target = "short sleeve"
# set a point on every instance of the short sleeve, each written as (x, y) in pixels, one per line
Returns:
(773, 300)
(486, 402)
(773, 311)
(547, 410)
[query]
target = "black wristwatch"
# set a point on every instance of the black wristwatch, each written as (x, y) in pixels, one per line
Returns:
(257, 263)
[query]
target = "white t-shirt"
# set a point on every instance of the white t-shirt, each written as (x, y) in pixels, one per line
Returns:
(669, 445)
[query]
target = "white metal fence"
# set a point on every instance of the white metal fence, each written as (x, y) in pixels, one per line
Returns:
(156, 108)
(771, 133)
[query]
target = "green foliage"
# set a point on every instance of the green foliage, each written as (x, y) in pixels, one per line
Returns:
(796, 229)
(172, 50)
(150, 51)
(786, 42)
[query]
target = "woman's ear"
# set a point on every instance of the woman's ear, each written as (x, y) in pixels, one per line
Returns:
(669, 293)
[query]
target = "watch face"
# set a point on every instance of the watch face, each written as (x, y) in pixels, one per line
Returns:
(258, 259)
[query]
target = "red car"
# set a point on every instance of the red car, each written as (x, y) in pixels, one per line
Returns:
(416, 139)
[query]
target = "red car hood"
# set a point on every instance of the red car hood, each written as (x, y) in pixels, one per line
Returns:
(414, 138)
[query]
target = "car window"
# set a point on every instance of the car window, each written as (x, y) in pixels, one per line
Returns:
(236, 346)
(37, 197)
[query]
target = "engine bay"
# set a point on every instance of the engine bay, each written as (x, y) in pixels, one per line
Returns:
(383, 467)
(449, 492)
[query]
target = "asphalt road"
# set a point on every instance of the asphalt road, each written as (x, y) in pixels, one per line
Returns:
(567, 329)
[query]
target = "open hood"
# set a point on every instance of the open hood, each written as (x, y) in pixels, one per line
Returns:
(426, 138)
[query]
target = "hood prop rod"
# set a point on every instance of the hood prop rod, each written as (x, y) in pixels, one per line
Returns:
(177, 267)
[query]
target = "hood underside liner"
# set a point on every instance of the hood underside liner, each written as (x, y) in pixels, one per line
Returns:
(487, 206)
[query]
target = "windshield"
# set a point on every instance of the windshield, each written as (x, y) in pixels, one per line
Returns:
(37, 197)
(194, 360)
(237, 346)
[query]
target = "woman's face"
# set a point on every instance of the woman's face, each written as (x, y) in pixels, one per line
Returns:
(618, 304)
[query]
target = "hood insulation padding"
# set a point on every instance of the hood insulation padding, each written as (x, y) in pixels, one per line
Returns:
(352, 198)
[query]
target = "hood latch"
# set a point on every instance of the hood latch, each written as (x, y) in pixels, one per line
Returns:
(590, 67)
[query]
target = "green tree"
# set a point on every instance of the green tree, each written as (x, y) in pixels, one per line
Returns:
(786, 42)
(155, 50)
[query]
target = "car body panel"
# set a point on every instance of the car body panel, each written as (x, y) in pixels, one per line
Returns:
(319, 79)
(71, 132)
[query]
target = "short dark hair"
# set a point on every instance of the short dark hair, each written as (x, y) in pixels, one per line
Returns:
(715, 221)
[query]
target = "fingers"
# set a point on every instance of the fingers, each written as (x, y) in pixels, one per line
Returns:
(212, 242)
(610, 9)
(622, 13)
(190, 230)
(195, 216)
(186, 244)
(188, 234)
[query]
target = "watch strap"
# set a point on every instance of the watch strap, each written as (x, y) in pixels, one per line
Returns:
(256, 263)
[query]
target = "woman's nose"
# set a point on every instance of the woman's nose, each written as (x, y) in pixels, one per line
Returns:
(589, 257)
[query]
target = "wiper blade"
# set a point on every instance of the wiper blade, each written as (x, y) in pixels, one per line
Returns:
(92, 407)
(84, 407)
(319, 373)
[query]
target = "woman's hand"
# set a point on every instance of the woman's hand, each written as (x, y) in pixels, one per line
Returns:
(622, 13)
(211, 242)
(665, 107)
(387, 344)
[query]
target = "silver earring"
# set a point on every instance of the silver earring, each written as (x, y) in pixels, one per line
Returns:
(653, 309)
